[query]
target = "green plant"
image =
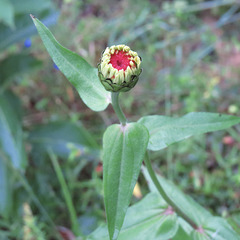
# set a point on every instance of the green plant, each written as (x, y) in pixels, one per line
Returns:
(166, 212)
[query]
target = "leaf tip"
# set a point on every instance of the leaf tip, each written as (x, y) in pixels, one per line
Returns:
(33, 17)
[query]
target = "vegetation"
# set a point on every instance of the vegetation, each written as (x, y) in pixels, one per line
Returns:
(51, 184)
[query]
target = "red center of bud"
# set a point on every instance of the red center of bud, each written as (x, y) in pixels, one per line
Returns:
(120, 60)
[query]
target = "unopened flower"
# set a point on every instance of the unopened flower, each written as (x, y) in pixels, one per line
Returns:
(119, 68)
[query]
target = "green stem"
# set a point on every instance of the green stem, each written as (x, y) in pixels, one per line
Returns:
(117, 108)
(66, 194)
(164, 194)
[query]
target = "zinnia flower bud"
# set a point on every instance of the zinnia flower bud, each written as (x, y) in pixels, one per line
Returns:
(119, 68)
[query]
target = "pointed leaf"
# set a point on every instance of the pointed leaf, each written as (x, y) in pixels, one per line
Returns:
(79, 72)
(168, 130)
(123, 152)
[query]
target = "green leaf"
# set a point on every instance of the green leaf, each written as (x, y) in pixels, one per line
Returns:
(234, 220)
(137, 227)
(147, 219)
(31, 6)
(211, 227)
(7, 13)
(218, 229)
(24, 27)
(168, 228)
(101, 233)
(190, 207)
(15, 65)
(168, 130)
(184, 231)
(5, 189)
(11, 148)
(11, 139)
(62, 138)
(196, 235)
(81, 75)
(123, 152)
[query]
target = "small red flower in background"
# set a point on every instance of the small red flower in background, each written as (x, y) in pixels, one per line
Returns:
(228, 140)
(99, 168)
(65, 233)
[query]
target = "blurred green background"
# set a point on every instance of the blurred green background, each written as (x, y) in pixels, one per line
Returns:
(191, 57)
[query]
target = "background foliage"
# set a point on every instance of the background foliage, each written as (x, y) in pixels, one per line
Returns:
(190, 52)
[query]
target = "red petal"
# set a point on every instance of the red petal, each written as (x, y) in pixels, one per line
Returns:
(120, 60)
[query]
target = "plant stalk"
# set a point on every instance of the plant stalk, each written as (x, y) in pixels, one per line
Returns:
(164, 194)
(117, 108)
(66, 194)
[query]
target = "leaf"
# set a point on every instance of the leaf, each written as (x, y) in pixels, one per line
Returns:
(5, 189)
(11, 148)
(190, 207)
(215, 228)
(182, 232)
(62, 137)
(24, 27)
(234, 220)
(123, 153)
(7, 13)
(15, 65)
(196, 235)
(81, 75)
(209, 227)
(31, 6)
(168, 228)
(101, 233)
(167, 130)
(218, 229)
(145, 220)
(148, 220)
(11, 139)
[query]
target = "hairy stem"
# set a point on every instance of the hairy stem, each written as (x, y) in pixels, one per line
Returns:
(117, 108)
(164, 194)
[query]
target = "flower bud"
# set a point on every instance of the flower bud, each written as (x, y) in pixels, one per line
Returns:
(119, 68)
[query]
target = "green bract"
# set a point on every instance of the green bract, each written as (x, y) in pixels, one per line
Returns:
(119, 68)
